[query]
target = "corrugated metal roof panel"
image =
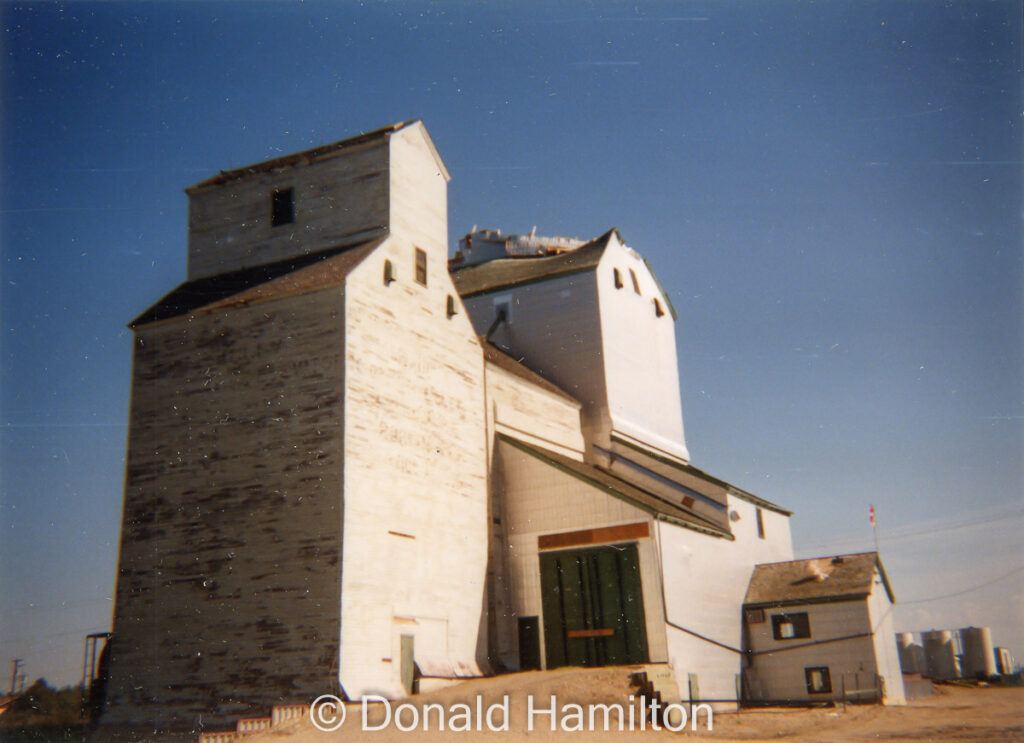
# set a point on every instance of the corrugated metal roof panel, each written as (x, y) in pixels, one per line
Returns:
(622, 489)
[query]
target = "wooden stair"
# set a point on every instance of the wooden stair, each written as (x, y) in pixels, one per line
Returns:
(657, 681)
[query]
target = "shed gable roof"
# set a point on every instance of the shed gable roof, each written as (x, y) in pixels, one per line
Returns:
(499, 273)
(259, 283)
(817, 580)
(620, 488)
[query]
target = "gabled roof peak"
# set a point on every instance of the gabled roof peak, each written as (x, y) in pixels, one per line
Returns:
(312, 155)
(816, 580)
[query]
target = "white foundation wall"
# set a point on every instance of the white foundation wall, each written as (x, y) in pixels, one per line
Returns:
(415, 537)
(779, 672)
(705, 581)
(887, 655)
(639, 353)
(537, 499)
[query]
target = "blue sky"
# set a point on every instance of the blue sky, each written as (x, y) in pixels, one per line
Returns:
(831, 193)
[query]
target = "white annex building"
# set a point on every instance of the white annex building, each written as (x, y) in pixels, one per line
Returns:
(355, 468)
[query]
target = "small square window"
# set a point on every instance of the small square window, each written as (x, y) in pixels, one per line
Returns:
(790, 626)
(760, 524)
(819, 681)
(421, 267)
(453, 308)
(282, 207)
(618, 278)
(389, 272)
(636, 283)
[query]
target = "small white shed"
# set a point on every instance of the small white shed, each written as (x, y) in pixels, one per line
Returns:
(821, 630)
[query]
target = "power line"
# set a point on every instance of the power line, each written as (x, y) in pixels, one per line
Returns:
(966, 590)
(898, 534)
(901, 534)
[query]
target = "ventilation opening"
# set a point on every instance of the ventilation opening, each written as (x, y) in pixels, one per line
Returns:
(421, 267)
(636, 282)
(282, 207)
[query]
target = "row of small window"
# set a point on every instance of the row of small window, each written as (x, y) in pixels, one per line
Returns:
(390, 275)
(421, 269)
(658, 310)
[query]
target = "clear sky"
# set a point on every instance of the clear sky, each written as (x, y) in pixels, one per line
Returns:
(831, 193)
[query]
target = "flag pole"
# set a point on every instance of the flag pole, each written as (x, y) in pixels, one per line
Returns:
(874, 525)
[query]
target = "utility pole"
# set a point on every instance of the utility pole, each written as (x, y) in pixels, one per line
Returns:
(17, 664)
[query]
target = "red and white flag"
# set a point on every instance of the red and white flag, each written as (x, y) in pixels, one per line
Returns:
(871, 514)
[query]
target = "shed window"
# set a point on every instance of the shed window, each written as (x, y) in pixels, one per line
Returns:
(421, 267)
(389, 272)
(790, 626)
(636, 283)
(760, 524)
(618, 278)
(282, 206)
(819, 681)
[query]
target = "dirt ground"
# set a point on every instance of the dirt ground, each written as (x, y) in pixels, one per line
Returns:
(952, 713)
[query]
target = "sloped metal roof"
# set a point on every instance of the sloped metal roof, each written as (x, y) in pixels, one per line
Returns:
(695, 472)
(621, 488)
(496, 274)
(245, 286)
(817, 580)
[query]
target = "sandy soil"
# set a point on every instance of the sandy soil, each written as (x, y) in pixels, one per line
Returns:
(953, 714)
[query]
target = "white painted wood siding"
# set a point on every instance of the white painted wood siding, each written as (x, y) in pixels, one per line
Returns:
(780, 674)
(341, 200)
(536, 499)
(415, 536)
(887, 654)
(554, 329)
(532, 414)
(705, 581)
(418, 203)
(639, 352)
(228, 588)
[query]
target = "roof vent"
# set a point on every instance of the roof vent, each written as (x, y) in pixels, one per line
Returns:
(815, 571)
